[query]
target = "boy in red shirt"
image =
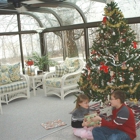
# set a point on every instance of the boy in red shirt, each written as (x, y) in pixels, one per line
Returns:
(122, 126)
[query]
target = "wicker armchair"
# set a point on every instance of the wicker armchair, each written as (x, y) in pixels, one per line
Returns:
(63, 80)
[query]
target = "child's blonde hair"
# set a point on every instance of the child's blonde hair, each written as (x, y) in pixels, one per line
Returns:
(80, 98)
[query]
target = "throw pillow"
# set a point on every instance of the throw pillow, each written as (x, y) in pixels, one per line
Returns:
(59, 70)
(4, 78)
(72, 62)
(4, 67)
(69, 70)
(14, 72)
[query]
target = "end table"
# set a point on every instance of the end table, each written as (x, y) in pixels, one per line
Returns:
(35, 82)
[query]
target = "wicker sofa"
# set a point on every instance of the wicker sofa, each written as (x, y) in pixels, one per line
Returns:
(13, 85)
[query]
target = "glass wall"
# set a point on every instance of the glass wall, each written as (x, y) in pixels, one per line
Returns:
(30, 44)
(8, 23)
(60, 44)
(57, 43)
(9, 49)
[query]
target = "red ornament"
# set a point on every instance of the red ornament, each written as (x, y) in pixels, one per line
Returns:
(104, 20)
(104, 68)
(30, 62)
(135, 45)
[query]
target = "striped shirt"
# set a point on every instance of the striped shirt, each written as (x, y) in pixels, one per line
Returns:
(122, 119)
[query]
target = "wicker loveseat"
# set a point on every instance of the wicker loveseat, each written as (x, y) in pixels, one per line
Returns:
(13, 85)
(63, 80)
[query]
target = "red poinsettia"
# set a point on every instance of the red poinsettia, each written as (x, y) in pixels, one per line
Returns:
(29, 62)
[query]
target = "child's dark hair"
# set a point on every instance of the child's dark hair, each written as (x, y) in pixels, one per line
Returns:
(80, 98)
(119, 94)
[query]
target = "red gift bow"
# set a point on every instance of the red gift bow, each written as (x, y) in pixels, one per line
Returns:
(104, 19)
(134, 45)
(104, 68)
(30, 62)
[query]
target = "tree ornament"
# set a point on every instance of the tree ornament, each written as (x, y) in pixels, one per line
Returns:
(93, 52)
(113, 33)
(132, 77)
(120, 78)
(104, 68)
(88, 67)
(109, 84)
(134, 45)
(123, 79)
(111, 73)
(104, 26)
(88, 78)
(89, 71)
(104, 20)
(116, 57)
(124, 67)
(109, 8)
(123, 40)
(130, 69)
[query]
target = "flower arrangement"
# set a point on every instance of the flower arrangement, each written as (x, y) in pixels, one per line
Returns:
(29, 63)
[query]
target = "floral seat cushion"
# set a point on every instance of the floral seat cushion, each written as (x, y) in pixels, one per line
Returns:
(56, 82)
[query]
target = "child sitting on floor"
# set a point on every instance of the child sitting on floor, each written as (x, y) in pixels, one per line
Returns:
(80, 121)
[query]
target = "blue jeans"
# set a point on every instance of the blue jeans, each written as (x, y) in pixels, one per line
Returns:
(105, 133)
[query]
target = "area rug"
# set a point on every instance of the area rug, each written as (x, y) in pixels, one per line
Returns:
(53, 124)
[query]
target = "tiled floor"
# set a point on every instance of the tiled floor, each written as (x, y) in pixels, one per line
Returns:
(63, 134)
(66, 134)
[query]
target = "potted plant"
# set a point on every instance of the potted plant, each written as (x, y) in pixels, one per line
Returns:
(41, 61)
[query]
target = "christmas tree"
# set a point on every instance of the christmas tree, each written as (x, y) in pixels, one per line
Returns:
(114, 62)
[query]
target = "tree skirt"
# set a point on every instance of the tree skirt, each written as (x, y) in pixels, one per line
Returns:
(53, 124)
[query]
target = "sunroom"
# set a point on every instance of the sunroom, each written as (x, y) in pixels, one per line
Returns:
(58, 29)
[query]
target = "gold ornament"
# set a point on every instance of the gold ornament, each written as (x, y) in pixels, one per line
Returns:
(131, 69)
(111, 73)
(124, 67)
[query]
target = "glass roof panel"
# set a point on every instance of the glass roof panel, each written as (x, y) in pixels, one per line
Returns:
(8, 23)
(94, 9)
(69, 16)
(47, 19)
(130, 8)
(71, 12)
(28, 23)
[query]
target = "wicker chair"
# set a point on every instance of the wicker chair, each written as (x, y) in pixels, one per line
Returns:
(63, 80)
